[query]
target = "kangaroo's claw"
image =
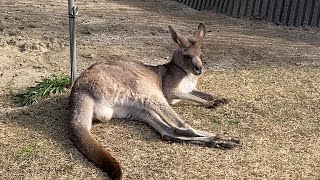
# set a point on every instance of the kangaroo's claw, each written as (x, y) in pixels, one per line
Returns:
(217, 102)
(222, 101)
(224, 142)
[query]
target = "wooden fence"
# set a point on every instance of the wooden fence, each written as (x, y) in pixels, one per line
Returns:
(283, 12)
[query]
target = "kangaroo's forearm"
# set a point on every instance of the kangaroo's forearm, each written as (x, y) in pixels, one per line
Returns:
(203, 95)
(190, 97)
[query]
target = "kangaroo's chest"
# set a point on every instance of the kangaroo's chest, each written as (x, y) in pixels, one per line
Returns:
(187, 84)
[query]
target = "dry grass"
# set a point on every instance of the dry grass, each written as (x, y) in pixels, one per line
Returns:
(274, 110)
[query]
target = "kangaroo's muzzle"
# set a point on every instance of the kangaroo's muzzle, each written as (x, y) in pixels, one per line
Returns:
(197, 66)
(197, 70)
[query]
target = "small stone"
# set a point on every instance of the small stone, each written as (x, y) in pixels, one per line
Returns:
(12, 33)
(89, 56)
(3, 44)
(33, 26)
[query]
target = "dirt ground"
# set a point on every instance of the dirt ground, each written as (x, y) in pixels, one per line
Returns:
(270, 72)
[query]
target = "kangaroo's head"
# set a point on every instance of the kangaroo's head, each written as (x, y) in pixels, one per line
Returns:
(188, 56)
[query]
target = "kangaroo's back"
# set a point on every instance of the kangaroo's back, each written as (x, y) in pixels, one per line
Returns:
(105, 80)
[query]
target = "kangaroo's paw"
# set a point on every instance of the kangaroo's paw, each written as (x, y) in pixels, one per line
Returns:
(222, 101)
(224, 142)
(217, 102)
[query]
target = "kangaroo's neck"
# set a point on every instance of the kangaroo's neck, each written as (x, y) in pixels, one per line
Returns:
(170, 68)
(173, 67)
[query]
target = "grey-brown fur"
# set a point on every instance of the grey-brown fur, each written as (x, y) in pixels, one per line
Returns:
(141, 92)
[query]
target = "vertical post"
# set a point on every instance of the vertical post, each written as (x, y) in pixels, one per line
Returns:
(72, 11)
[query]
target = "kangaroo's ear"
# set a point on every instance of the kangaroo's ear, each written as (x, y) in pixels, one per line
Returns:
(179, 39)
(201, 32)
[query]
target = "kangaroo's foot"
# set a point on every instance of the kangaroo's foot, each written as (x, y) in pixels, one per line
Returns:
(223, 141)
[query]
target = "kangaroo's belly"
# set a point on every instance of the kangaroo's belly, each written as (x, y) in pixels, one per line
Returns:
(106, 112)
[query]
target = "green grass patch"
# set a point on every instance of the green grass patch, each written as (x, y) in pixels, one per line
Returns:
(234, 122)
(46, 87)
(26, 152)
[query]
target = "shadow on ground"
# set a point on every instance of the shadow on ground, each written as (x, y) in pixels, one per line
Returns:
(48, 117)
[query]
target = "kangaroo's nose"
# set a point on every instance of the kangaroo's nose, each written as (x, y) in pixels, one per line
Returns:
(197, 70)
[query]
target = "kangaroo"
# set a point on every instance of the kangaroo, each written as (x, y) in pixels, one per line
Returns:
(132, 90)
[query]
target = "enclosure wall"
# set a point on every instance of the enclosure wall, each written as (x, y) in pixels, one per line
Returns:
(283, 12)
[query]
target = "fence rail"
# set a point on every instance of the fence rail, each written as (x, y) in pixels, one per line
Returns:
(282, 12)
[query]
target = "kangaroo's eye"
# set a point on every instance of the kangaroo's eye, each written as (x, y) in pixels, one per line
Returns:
(187, 56)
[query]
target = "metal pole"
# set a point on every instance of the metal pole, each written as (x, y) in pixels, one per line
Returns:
(72, 11)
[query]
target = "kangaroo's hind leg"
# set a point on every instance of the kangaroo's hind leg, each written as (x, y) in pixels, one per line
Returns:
(168, 133)
(173, 120)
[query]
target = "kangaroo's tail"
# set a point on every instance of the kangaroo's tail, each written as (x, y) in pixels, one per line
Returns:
(80, 119)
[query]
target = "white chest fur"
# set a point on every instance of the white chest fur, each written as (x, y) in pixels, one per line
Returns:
(188, 84)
